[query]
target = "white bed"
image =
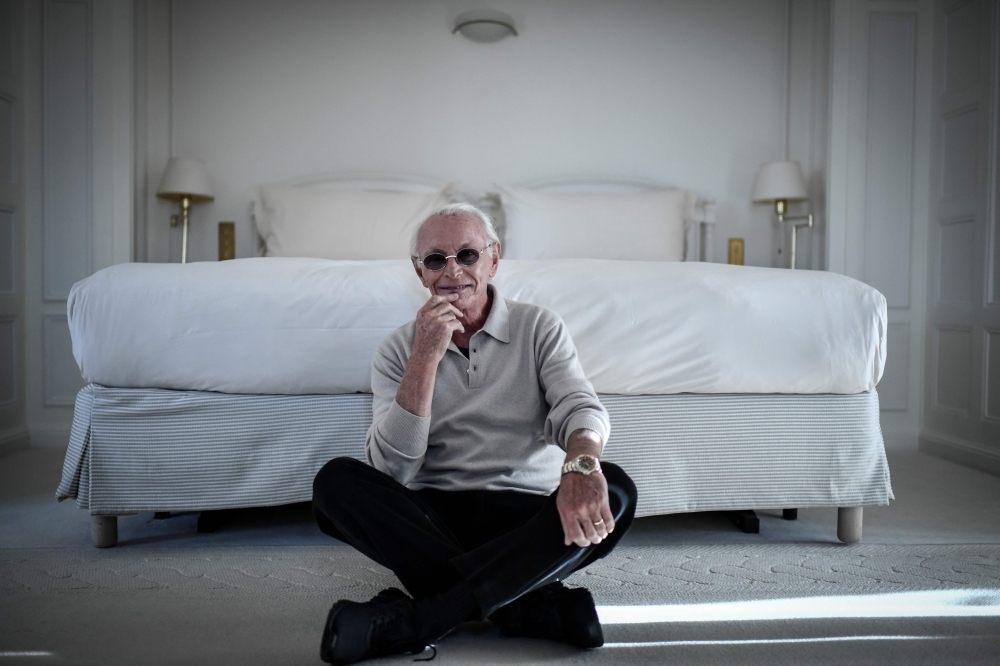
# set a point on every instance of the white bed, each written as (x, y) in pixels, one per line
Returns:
(729, 387)
(288, 326)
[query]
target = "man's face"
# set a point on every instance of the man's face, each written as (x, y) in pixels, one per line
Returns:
(448, 235)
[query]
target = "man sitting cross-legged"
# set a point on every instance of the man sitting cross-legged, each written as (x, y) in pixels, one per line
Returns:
(484, 487)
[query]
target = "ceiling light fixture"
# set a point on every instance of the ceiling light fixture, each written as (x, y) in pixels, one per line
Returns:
(484, 25)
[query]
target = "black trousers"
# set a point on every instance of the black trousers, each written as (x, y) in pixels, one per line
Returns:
(501, 543)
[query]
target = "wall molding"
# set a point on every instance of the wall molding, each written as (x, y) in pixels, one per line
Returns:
(14, 439)
(962, 451)
(14, 241)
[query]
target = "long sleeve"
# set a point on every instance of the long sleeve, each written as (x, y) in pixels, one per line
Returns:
(501, 414)
(572, 400)
(397, 440)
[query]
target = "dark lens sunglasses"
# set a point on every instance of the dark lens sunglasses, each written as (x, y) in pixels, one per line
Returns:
(467, 256)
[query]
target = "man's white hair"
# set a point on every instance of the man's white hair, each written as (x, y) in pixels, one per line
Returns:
(454, 209)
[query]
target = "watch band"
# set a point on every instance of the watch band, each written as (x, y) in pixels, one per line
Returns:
(583, 464)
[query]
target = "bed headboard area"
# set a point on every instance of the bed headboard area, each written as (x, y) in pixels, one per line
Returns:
(372, 216)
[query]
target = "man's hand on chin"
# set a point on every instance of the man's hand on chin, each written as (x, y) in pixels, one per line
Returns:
(583, 498)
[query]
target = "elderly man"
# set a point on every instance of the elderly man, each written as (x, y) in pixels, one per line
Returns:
(484, 487)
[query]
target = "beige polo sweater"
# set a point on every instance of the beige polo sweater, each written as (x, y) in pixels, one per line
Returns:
(499, 419)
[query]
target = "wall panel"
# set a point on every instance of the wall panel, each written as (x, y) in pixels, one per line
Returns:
(959, 153)
(993, 187)
(7, 156)
(993, 375)
(7, 46)
(66, 146)
(962, 57)
(957, 258)
(889, 158)
(62, 375)
(8, 257)
(8, 360)
(894, 389)
(953, 369)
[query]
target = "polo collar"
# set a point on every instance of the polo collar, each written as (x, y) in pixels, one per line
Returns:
(498, 322)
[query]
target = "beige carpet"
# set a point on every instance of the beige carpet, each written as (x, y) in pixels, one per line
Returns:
(699, 591)
(260, 605)
(630, 575)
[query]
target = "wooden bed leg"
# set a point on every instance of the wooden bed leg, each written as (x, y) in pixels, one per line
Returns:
(790, 514)
(849, 519)
(104, 531)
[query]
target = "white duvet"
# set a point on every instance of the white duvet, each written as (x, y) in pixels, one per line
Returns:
(294, 326)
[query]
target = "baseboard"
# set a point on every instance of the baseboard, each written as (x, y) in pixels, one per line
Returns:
(15, 439)
(50, 438)
(962, 451)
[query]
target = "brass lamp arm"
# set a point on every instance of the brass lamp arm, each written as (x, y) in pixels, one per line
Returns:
(184, 219)
(807, 219)
(796, 220)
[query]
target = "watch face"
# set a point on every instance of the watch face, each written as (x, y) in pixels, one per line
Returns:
(587, 464)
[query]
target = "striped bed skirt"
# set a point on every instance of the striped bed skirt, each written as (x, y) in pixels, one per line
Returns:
(161, 450)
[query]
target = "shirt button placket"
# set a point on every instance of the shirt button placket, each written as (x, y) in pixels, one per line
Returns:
(474, 369)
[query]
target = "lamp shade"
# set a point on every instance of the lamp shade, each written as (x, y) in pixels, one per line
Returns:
(779, 180)
(185, 177)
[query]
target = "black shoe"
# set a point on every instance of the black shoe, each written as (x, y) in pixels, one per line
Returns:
(388, 624)
(554, 612)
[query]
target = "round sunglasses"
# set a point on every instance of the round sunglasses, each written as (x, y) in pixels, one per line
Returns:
(467, 256)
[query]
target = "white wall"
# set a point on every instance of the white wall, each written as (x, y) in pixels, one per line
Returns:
(688, 92)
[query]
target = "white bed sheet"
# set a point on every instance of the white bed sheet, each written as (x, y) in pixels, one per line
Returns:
(300, 326)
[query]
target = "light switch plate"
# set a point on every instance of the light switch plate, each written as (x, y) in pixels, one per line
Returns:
(736, 251)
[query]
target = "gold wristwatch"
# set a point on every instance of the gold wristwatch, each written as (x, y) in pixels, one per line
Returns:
(584, 464)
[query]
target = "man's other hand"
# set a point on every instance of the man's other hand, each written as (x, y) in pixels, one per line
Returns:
(583, 498)
(582, 502)
(437, 320)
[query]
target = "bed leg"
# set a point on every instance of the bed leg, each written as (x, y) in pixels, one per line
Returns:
(849, 519)
(104, 531)
(746, 520)
(790, 514)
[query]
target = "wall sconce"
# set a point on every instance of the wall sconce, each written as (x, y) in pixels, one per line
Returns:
(185, 180)
(781, 182)
(484, 25)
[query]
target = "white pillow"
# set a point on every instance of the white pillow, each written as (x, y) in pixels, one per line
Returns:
(341, 224)
(646, 225)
